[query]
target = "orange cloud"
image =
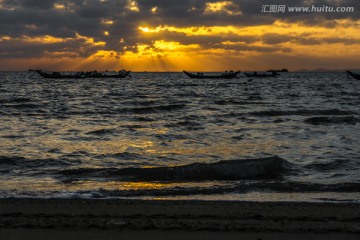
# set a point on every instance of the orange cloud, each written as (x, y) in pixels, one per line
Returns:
(90, 40)
(215, 48)
(227, 7)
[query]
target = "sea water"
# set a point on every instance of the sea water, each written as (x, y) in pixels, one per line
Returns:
(165, 136)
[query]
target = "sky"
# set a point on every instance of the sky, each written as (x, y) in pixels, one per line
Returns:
(176, 35)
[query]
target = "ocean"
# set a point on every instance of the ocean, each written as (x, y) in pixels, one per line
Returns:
(165, 136)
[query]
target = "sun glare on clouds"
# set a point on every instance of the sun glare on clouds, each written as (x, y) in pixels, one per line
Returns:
(218, 34)
(245, 42)
(154, 9)
(227, 7)
(132, 6)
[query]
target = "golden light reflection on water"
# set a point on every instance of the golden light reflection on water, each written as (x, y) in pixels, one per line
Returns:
(144, 185)
(45, 184)
(146, 143)
(102, 146)
(116, 185)
(153, 130)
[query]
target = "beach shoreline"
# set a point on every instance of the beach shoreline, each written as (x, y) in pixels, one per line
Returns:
(88, 218)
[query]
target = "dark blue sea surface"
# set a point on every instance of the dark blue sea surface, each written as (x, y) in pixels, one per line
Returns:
(165, 136)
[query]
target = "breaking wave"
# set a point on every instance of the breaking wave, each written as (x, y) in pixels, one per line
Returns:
(263, 168)
(275, 186)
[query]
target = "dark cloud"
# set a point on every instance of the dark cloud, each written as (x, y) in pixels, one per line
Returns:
(35, 18)
(303, 39)
(30, 4)
(274, 38)
(20, 48)
(263, 49)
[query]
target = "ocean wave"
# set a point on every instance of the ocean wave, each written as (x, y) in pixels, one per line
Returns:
(16, 100)
(187, 124)
(332, 120)
(330, 165)
(240, 188)
(13, 136)
(171, 137)
(155, 109)
(144, 119)
(303, 112)
(22, 106)
(263, 168)
(124, 156)
(23, 163)
(102, 132)
(237, 102)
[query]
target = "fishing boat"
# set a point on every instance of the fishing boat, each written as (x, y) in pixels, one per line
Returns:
(278, 70)
(200, 75)
(261, 75)
(56, 75)
(354, 75)
(120, 74)
(93, 74)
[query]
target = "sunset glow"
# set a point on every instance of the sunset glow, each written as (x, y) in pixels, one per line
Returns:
(143, 37)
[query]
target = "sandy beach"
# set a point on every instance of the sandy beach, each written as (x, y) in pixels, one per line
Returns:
(139, 219)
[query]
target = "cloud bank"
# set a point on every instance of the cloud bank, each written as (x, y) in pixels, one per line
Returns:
(175, 34)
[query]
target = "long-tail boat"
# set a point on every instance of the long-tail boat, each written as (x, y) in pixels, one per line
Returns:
(354, 75)
(278, 70)
(93, 74)
(120, 74)
(261, 75)
(200, 75)
(56, 75)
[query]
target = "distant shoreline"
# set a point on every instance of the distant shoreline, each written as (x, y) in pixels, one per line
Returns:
(290, 71)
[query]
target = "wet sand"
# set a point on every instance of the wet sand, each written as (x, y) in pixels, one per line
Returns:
(138, 219)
